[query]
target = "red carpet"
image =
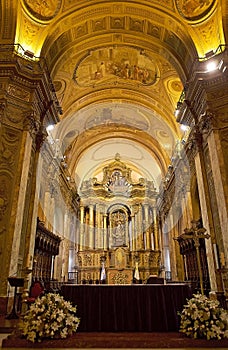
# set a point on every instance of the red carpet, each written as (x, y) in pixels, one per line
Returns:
(118, 340)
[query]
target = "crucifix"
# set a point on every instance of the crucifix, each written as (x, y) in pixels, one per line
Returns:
(196, 233)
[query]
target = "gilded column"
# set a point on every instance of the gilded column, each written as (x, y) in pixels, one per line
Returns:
(98, 241)
(133, 232)
(147, 227)
(156, 240)
(91, 227)
(105, 241)
(81, 232)
(140, 229)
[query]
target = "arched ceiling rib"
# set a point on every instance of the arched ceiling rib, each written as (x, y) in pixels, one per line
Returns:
(90, 137)
(125, 111)
(140, 27)
(132, 153)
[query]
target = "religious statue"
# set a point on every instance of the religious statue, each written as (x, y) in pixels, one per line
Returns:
(118, 232)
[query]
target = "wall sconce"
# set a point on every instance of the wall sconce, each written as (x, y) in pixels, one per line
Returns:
(29, 54)
(213, 61)
(209, 54)
(215, 65)
(177, 110)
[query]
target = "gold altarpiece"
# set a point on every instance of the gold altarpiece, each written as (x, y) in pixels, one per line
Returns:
(118, 227)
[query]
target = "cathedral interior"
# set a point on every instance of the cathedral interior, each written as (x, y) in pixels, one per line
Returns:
(113, 143)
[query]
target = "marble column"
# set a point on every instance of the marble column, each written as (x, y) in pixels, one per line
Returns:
(23, 109)
(207, 217)
(221, 191)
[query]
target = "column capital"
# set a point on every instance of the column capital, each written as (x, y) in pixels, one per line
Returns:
(33, 125)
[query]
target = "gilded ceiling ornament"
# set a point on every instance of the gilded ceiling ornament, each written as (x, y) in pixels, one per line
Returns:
(194, 9)
(176, 86)
(43, 9)
(29, 32)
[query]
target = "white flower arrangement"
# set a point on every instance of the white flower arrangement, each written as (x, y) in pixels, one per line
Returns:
(203, 318)
(50, 316)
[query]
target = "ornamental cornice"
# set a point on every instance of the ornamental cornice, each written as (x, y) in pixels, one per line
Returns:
(28, 85)
(18, 92)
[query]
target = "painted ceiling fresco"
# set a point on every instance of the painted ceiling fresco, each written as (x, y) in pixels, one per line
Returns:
(113, 64)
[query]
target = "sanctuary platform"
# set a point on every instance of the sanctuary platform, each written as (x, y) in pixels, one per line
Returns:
(128, 308)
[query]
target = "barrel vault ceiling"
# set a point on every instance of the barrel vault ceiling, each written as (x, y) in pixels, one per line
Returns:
(118, 69)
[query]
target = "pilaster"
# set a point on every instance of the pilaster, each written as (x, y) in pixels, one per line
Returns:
(204, 109)
(23, 118)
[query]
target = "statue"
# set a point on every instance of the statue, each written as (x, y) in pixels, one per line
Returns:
(118, 234)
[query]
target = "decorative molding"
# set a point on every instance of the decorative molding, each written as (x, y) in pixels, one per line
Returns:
(18, 92)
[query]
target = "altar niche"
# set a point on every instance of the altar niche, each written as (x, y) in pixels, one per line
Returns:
(119, 227)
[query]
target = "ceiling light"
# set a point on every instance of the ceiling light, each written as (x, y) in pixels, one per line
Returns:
(184, 127)
(50, 127)
(177, 112)
(211, 66)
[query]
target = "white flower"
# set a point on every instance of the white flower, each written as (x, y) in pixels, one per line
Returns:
(203, 318)
(48, 317)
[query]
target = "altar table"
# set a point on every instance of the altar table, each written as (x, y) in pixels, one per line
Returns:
(132, 308)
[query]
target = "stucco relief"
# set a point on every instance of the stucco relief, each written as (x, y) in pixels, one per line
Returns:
(3, 198)
(193, 9)
(13, 115)
(5, 181)
(7, 149)
(18, 92)
(112, 65)
(44, 10)
(29, 32)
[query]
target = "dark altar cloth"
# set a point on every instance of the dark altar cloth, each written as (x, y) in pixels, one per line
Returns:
(132, 308)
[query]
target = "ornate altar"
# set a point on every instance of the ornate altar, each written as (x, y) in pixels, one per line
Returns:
(118, 227)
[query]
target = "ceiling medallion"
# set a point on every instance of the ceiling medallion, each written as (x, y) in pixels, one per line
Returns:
(194, 9)
(43, 10)
(116, 65)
